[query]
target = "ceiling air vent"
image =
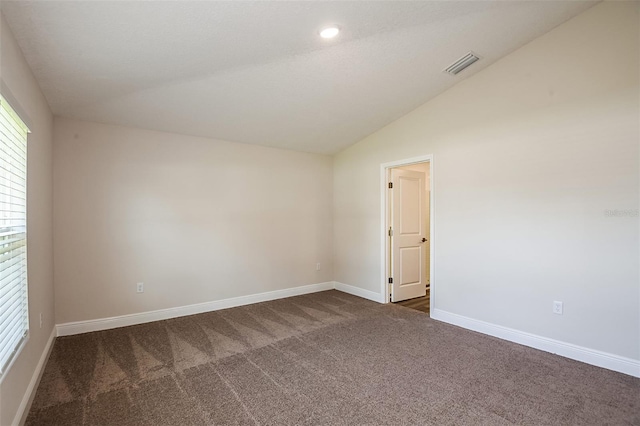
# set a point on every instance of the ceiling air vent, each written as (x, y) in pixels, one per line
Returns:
(462, 63)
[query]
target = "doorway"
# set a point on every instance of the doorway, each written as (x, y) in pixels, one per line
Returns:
(408, 232)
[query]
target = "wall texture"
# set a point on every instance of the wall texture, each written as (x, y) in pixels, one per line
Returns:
(529, 155)
(195, 219)
(20, 87)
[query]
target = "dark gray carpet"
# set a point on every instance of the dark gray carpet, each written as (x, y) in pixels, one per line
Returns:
(321, 359)
(422, 304)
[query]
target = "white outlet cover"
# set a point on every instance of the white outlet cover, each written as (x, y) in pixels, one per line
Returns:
(557, 307)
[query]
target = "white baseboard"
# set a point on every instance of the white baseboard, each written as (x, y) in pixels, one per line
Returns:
(590, 356)
(78, 327)
(25, 404)
(568, 350)
(360, 292)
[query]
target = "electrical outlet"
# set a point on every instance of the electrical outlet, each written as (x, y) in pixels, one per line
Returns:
(140, 288)
(557, 307)
(40, 319)
(317, 266)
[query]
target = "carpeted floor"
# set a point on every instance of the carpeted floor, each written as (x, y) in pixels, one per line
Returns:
(422, 304)
(322, 359)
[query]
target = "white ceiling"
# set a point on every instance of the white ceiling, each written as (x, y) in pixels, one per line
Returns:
(257, 72)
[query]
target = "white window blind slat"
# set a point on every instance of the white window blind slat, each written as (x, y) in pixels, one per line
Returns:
(12, 222)
(11, 190)
(10, 233)
(5, 180)
(11, 266)
(14, 266)
(8, 169)
(10, 173)
(9, 328)
(9, 291)
(12, 151)
(10, 263)
(13, 209)
(11, 129)
(13, 194)
(11, 120)
(11, 198)
(10, 343)
(9, 132)
(5, 349)
(9, 255)
(10, 280)
(7, 234)
(11, 136)
(14, 317)
(11, 247)
(12, 154)
(10, 314)
(8, 204)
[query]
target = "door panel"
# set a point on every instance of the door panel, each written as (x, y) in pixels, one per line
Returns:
(408, 219)
(410, 193)
(410, 270)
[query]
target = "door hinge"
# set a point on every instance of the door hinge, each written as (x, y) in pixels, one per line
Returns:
(390, 185)
(390, 232)
(390, 280)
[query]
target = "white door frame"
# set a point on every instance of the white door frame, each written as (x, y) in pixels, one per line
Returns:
(385, 223)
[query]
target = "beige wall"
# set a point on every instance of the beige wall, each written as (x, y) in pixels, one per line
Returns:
(195, 219)
(20, 87)
(528, 155)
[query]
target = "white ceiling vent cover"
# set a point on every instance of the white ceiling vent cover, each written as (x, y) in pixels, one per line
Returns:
(462, 63)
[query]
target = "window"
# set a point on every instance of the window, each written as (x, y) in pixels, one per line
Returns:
(14, 317)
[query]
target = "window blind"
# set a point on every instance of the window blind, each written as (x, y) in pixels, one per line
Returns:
(14, 317)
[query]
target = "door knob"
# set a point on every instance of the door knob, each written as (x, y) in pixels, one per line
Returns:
(424, 240)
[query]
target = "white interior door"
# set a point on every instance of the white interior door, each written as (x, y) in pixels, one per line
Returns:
(410, 233)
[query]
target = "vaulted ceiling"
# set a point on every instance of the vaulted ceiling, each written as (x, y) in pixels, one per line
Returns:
(257, 72)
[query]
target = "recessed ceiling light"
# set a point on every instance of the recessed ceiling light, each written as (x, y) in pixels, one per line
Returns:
(329, 32)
